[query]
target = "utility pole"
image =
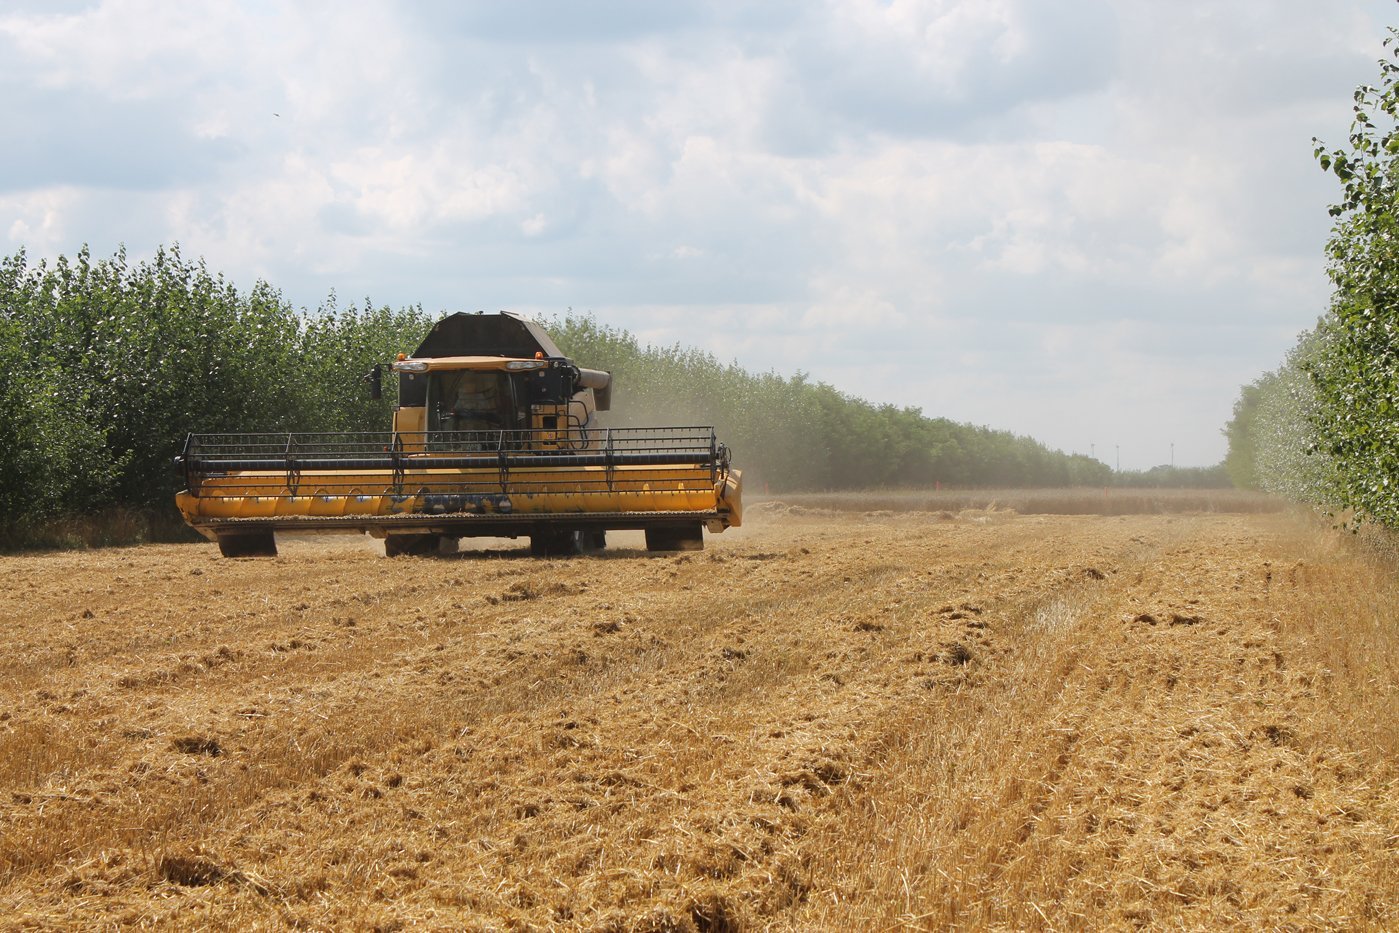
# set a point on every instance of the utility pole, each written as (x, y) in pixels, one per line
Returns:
(1093, 451)
(1173, 455)
(1118, 448)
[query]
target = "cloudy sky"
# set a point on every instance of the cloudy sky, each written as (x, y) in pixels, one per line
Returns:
(1088, 221)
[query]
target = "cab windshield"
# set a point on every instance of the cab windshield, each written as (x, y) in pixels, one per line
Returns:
(466, 400)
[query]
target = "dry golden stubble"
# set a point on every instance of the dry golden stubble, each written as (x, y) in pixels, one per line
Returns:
(852, 719)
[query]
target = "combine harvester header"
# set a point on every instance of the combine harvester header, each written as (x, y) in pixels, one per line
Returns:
(495, 434)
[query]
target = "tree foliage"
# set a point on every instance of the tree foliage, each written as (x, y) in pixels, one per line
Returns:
(791, 433)
(1325, 426)
(1273, 446)
(1356, 374)
(109, 366)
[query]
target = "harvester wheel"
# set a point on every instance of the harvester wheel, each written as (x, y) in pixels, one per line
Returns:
(556, 543)
(248, 544)
(411, 545)
(567, 542)
(686, 537)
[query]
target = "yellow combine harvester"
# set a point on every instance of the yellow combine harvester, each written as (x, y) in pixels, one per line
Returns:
(495, 434)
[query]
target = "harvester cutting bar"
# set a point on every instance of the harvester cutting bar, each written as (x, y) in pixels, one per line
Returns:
(332, 457)
(459, 483)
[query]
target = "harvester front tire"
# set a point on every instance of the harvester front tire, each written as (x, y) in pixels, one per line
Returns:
(253, 544)
(556, 543)
(686, 537)
(411, 545)
(567, 542)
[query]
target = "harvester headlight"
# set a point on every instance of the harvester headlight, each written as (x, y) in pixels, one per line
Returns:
(410, 366)
(526, 364)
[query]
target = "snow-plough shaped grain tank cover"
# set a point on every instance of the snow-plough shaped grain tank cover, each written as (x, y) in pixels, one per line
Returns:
(495, 435)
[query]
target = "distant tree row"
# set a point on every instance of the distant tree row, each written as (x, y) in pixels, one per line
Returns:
(790, 433)
(1324, 427)
(108, 366)
(1174, 477)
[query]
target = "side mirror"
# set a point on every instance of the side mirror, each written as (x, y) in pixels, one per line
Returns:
(375, 378)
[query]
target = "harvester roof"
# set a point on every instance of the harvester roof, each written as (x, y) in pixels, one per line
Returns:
(500, 334)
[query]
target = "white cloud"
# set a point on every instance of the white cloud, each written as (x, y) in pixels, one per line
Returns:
(39, 219)
(841, 309)
(1009, 211)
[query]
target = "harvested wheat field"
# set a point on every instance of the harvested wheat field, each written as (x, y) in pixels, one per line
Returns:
(826, 720)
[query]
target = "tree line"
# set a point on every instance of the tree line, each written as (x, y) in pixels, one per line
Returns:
(108, 365)
(792, 433)
(1324, 426)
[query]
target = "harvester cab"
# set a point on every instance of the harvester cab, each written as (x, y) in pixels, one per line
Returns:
(495, 434)
(485, 373)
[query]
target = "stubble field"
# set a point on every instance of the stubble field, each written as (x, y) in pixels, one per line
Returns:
(829, 719)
